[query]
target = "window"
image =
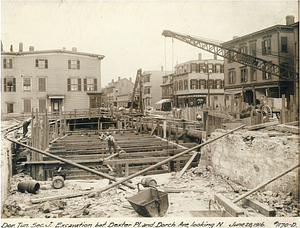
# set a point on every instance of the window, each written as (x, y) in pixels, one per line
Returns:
(42, 84)
(230, 56)
(26, 84)
(265, 75)
(74, 84)
(283, 44)
(9, 84)
(90, 84)
(244, 75)
(193, 66)
(253, 49)
(222, 69)
(146, 78)
(210, 68)
(231, 76)
(147, 90)
(74, 64)
(10, 107)
(211, 84)
(41, 63)
(218, 68)
(186, 84)
(202, 84)
(180, 85)
(176, 86)
(42, 105)
(243, 49)
(219, 84)
(165, 79)
(7, 63)
(194, 84)
(266, 47)
(27, 106)
(253, 74)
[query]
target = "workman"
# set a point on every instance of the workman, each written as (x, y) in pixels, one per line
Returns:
(25, 127)
(111, 143)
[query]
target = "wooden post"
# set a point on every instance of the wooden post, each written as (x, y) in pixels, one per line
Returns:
(251, 114)
(126, 170)
(292, 118)
(176, 133)
(74, 121)
(165, 129)
(184, 135)
(283, 114)
(60, 123)
(170, 130)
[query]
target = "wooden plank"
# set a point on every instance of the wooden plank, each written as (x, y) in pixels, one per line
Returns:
(259, 126)
(262, 208)
(179, 190)
(229, 206)
(279, 134)
(187, 164)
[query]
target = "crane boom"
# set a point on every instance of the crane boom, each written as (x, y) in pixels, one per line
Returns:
(236, 56)
(137, 81)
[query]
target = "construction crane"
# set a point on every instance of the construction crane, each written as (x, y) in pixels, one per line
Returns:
(242, 58)
(138, 82)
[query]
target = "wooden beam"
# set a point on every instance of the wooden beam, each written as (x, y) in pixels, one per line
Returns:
(262, 208)
(187, 164)
(230, 207)
(69, 162)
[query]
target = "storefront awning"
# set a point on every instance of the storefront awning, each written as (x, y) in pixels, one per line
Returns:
(233, 91)
(56, 96)
(163, 101)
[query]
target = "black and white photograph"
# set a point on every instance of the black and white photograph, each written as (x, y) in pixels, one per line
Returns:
(151, 113)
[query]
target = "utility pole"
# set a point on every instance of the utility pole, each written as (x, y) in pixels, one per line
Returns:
(141, 92)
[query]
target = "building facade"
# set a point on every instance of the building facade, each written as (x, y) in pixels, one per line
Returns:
(275, 44)
(56, 80)
(167, 93)
(119, 93)
(199, 82)
(152, 90)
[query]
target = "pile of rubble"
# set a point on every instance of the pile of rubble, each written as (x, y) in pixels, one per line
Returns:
(192, 192)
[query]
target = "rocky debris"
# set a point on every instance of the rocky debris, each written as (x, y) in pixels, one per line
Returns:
(46, 207)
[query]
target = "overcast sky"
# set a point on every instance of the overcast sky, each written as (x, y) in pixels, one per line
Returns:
(128, 33)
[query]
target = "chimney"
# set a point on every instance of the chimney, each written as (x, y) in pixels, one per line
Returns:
(11, 48)
(1, 46)
(112, 80)
(289, 19)
(20, 47)
(215, 56)
(162, 68)
(200, 56)
(235, 37)
(74, 48)
(31, 48)
(64, 48)
(130, 79)
(119, 78)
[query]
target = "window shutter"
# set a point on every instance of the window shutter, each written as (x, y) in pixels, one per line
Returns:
(198, 68)
(263, 48)
(78, 64)
(85, 84)
(11, 63)
(79, 84)
(69, 64)
(246, 75)
(95, 84)
(4, 84)
(36, 63)
(4, 63)
(69, 83)
(14, 84)
(234, 76)
(222, 68)
(46, 63)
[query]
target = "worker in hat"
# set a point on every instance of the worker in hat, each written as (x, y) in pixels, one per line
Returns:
(111, 143)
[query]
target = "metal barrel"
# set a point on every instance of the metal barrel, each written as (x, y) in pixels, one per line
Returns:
(148, 181)
(31, 186)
